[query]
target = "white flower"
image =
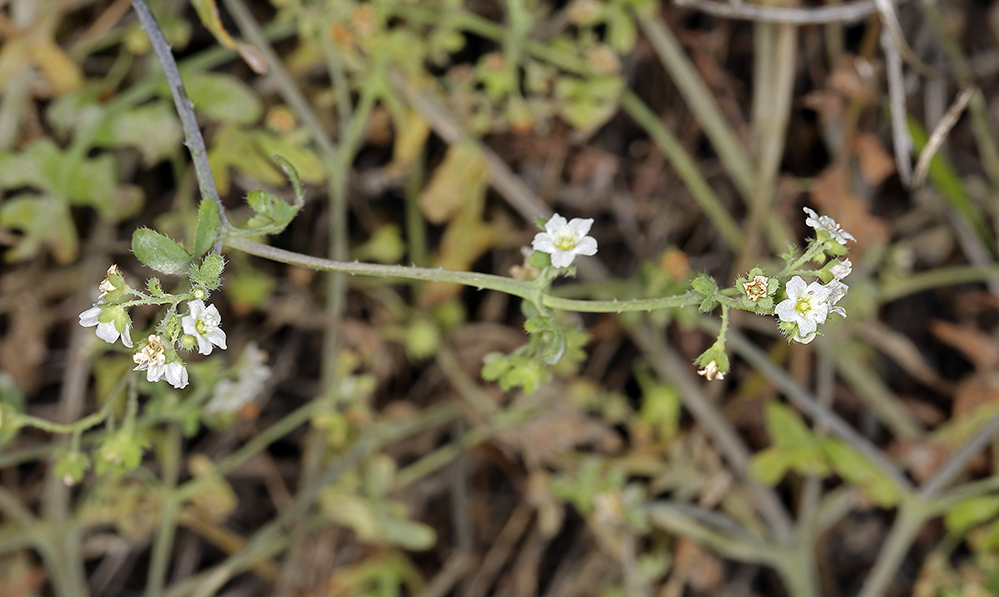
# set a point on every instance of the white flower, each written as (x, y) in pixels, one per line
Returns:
(564, 240)
(231, 396)
(829, 225)
(710, 371)
(106, 330)
(837, 290)
(805, 306)
(152, 359)
(756, 289)
(841, 270)
(203, 324)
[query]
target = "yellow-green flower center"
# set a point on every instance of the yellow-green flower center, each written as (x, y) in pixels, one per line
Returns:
(565, 243)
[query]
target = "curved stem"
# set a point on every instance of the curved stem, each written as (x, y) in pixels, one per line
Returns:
(524, 290)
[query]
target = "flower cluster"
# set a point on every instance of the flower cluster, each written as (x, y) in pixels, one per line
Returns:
(157, 353)
(808, 305)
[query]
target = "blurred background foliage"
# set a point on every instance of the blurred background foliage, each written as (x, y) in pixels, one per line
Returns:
(347, 445)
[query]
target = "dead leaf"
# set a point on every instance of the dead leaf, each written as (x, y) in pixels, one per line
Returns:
(459, 180)
(876, 164)
(851, 80)
(411, 135)
(831, 196)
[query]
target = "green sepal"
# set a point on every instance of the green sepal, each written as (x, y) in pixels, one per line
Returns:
(159, 252)
(539, 260)
(209, 273)
(208, 227)
(704, 284)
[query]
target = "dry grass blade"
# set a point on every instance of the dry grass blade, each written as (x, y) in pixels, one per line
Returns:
(940, 133)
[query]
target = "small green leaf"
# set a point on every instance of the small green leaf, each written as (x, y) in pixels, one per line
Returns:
(971, 512)
(769, 466)
(704, 284)
(785, 426)
(273, 213)
(45, 221)
(223, 98)
(850, 464)
(495, 365)
(208, 227)
(408, 534)
(159, 252)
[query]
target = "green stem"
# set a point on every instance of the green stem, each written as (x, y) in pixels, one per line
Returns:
(524, 290)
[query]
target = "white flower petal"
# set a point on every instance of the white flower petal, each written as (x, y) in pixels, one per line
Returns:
(562, 258)
(555, 225)
(785, 310)
(580, 227)
(795, 287)
(89, 317)
(587, 246)
(107, 332)
(176, 374)
(543, 242)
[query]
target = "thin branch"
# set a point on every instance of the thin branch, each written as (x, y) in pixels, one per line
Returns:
(185, 109)
(896, 95)
(958, 460)
(840, 13)
(939, 134)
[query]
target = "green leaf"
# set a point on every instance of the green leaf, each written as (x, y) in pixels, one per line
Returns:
(45, 222)
(153, 129)
(408, 534)
(159, 252)
(769, 466)
(971, 512)
(495, 365)
(223, 98)
(850, 464)
(208, 227)
(273, 213)
(704, 284)
(785, 426)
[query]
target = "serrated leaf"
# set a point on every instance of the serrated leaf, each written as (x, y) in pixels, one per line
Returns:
(159, 252)
(208, 226)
